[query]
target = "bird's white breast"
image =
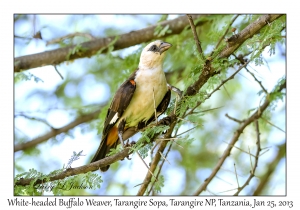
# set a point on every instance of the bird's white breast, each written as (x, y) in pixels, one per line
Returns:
(150, 84)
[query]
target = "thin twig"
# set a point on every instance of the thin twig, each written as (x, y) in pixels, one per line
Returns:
(168, 139)
(208, 110)
(240, 149)
(181, 147)
(227, 91)
(226, 191)
(259, 82)
(189, 121)
(266, 148)
(197, 41)
(264, 152)
(173, 140)
(187, 131)
(36, 119)
(230, 171)
(223, 180)
(209, 191)
(165, 158)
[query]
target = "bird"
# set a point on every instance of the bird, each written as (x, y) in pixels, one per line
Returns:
(132, 107)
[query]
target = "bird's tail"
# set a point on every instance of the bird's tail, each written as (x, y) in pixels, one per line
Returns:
(102, 151)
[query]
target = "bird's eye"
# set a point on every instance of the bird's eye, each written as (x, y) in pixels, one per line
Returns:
(153, 48)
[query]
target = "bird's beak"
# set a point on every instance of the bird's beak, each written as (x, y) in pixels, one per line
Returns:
(164, 46)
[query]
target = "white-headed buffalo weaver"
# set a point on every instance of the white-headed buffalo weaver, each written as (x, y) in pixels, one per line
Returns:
(132, 107)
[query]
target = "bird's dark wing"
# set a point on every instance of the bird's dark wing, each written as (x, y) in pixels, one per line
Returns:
(162, 107)
(119, 103)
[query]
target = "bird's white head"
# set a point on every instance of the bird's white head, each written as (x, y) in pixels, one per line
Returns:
(153, 54)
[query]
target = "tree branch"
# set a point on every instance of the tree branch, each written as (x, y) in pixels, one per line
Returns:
(54, 132)
(234, 139)
(238, 39)
(60, 55)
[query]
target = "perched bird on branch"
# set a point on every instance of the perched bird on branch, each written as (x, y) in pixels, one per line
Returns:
(132, 107)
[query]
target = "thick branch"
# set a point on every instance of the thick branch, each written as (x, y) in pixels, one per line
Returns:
(54, 132)
(60, 55)
(234, 139)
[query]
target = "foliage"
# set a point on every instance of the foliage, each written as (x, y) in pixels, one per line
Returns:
(202, 131)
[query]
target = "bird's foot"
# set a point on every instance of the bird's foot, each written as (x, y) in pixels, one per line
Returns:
(129, 144)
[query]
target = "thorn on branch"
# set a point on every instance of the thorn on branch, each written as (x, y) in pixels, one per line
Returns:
(267, 121)
(58, 72)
